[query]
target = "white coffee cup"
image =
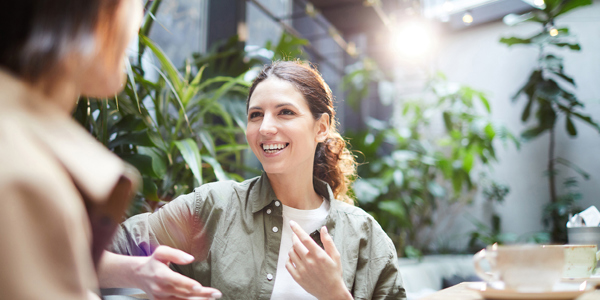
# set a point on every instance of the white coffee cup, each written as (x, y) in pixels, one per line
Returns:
(524, 268)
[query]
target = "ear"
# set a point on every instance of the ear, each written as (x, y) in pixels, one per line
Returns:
(322, 128)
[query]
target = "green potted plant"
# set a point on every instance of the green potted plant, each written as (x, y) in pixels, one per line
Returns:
(549, 98)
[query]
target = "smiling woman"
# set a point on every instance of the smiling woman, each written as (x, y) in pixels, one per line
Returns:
(291, 233)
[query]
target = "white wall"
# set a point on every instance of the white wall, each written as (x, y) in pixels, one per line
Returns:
(475, 57)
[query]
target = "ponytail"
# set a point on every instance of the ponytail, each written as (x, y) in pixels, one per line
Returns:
(335, 165)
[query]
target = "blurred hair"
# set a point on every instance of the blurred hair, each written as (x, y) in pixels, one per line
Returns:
(37, 35)
(333, 163)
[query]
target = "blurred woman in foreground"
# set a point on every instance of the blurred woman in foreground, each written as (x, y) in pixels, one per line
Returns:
(292, 233)
(62, 192)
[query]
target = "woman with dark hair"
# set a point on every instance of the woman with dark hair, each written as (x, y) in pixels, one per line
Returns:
(63, 193)
(292, 233)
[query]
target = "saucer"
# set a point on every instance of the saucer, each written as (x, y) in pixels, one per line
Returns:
(560, 292)
(593, 280)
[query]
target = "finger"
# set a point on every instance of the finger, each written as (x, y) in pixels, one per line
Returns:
(329, 245)
(305, 239)
(293, 256)
(167, 254)
(292, 270)
(297, 245)
(182, 286)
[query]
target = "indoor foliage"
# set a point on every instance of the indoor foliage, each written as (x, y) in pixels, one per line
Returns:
(549, 97)
(410, 171)
(180, 127)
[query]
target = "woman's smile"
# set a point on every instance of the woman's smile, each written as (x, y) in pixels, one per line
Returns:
(274, 148)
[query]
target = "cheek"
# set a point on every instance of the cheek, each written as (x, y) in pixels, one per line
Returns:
(251, 133)
(103, 80)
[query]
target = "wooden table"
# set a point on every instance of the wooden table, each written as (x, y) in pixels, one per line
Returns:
(462, 292)
(458, 292)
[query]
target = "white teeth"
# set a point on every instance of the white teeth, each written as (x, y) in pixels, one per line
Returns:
(273, 146)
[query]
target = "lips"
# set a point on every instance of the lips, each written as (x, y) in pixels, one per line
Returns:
(274, 147)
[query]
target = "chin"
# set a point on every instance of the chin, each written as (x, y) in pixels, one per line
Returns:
(271, 169)
(111, 86)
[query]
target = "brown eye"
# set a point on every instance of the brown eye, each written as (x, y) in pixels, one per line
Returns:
(255, 115)
(287, 112)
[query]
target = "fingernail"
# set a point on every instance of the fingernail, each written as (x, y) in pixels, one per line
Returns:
(188, 257)
(292, 223)
(325, 229)
(216, 295)
(197, 288)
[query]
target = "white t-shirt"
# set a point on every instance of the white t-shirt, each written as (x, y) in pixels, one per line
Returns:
(310, 220)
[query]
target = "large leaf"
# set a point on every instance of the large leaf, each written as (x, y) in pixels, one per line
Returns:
(159, 160)
(531, 133)
(219, 173)
(565, 77)
(587, 119)
(570, 126)
(527, 110)
(575, 47)
(208, 142)
(140, 138)
(530, 86)
(573, 167)
(150, 190)
(572, 4)
(173, 74)
(395, 208)
(514, 41)
(191, 154)
(142, 162)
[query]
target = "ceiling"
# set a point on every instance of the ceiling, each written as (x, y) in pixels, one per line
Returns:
(353, 16)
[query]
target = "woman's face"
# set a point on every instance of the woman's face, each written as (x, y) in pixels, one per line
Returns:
(282, 131)
(105, 75)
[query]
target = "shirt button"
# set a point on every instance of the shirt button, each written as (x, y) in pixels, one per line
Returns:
(277, 203)
(269, 277)
(268, 211)
(275, 229)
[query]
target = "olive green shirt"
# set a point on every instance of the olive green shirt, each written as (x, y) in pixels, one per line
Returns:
(233, 231)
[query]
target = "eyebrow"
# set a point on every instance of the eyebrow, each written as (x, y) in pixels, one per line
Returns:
(276, 106)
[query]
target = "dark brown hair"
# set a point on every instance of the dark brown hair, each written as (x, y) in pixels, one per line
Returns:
(333, 163)
(38, 34)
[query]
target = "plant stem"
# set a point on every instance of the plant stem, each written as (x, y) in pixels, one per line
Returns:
(555, 231)
(145, 30)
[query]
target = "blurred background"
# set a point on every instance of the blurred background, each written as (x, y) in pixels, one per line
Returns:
(475, 121)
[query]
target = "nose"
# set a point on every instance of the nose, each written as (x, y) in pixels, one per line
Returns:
(268, 125)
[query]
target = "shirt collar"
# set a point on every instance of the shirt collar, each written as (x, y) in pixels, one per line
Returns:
(93, 168)
(263, 193)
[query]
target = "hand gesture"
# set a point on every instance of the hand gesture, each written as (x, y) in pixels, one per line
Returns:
(318, 271)
(161, 283)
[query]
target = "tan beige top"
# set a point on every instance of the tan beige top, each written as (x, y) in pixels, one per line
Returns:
(54, 179)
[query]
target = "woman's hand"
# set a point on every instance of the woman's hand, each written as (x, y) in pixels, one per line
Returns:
(155, 277)
(318, 271)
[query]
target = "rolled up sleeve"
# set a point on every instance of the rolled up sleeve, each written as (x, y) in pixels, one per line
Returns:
(171, 225)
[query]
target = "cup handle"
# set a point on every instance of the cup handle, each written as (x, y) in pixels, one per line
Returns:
(477, 258)
(597, 256)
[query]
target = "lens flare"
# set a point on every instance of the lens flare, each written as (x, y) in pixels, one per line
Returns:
(414, 40)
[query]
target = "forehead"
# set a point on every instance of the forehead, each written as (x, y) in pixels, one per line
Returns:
(274, 91)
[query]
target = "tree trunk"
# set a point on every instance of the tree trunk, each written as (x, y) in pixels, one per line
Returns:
(555, 225)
